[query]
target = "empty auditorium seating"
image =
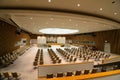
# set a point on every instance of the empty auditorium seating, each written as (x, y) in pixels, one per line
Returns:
(60, 74)
(9, 58)
(9, 76)
(86, 54)
(69, 73)
(86, 71)
(35, 63)
(94, 71)
(77, 73)
(38, 58)
(55, 59)
(49, 75)
(15, 75)
(67, 57)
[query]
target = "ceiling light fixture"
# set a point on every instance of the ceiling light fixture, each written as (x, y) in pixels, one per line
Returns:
(49, 0)
(31, 18)
(78, 5)
(76, 25)
(115, 13)
(70, 20)
(51, 18)
(58, 31)
(101, 9)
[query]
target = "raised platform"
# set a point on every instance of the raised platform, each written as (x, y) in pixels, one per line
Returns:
(55, 44)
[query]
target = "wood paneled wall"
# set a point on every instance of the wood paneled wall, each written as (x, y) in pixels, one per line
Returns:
(112, 36)
(75, 38)
(8, 38)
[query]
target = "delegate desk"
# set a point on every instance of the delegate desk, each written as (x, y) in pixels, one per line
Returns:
(43, 70)
(112, 75)
(55, 44)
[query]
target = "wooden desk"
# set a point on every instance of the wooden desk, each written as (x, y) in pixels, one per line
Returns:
(54, 44)
(55, 68)
(85, 77)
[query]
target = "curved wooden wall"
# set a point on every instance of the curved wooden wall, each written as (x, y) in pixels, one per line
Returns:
(8, 37)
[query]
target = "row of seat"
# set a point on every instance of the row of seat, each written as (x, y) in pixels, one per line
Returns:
(70, 73)
(38, 58)
(9, 76)
(8, 59)
(41, 61)
(66, 56)
(54, 57)
(83, 54)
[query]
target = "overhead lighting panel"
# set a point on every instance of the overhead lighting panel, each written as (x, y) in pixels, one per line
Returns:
(58, 31)
(49, 0)
(101, 9)
(78, 5)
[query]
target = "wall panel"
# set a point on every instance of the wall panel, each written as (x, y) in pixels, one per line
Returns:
(8, 38)
(111, 36)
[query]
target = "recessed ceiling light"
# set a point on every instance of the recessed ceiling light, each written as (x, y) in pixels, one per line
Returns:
(70, 20)
(78, 5)
(115, 13)
(51, 18)
(58, 31)
(76, 25)
(101, 9)
(49, 0)
(31, 18)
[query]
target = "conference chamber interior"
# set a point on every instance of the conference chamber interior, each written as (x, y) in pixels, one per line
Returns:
(59, 39)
